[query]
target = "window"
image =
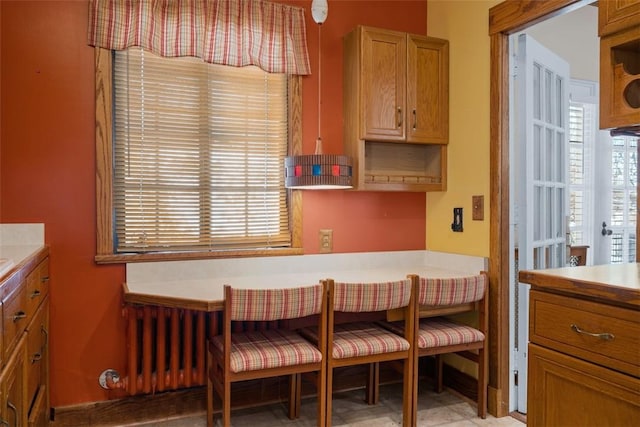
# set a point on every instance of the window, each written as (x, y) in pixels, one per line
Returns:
(190, 161)
(624, 198)
(581, 139)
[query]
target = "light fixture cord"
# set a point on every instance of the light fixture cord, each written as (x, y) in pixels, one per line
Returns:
(319, 140)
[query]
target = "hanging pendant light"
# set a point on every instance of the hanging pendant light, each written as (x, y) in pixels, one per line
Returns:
(318, 171)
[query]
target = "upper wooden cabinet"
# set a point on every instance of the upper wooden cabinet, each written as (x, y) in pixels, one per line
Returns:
(619, 29)
(617, 15)
(396, 109)
(402, 82)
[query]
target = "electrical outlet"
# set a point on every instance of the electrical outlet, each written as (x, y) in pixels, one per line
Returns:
(326, 241)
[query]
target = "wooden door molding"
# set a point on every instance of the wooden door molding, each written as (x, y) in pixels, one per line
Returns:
(505, 18)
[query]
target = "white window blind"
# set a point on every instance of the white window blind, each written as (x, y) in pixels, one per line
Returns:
(579, 123)
(198, 155)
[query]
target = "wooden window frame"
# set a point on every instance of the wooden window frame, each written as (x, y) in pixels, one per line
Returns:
(105, 253)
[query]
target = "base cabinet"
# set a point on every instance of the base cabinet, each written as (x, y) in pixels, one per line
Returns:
(565, 391)
(584, 363)
(24, 371)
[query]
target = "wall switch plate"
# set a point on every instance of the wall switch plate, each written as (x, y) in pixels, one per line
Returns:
(326, 241)
(457, 220)
(477, 203)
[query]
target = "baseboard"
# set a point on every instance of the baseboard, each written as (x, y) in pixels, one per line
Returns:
(192, 401)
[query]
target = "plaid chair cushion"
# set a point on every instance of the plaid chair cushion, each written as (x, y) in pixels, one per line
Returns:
(438, 332)
(451, 291)
(275, 304)
(362, 339)
(268, 349)
(363, 297)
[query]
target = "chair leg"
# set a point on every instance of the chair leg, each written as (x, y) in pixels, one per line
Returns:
(439, 366)
(407, 393)
(295, 384)
(210, 390)
(321, 392)
(373, 384)
(210, 398)
(414, 389)
(226, 404)
(329, 396)
(482, 384)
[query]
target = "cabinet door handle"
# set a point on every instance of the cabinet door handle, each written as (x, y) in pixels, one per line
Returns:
(19, 315)
(606, 336)
(36, 357)
(415, 119)
(399, 117)
(4, 423)
(46, 335)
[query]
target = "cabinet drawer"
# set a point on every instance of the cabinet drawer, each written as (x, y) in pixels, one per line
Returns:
(600, 333)
(14, 318)
(37, 286)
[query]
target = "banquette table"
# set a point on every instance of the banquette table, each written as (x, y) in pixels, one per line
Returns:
(191, 293)
(207, 295)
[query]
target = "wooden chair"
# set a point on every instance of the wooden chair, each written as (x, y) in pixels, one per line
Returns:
(437, 335)
(366, 342)
(239, 356)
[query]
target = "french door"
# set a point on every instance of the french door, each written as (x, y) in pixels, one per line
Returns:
(539, 183)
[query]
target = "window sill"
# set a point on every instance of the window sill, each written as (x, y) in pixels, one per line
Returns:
(183, 256)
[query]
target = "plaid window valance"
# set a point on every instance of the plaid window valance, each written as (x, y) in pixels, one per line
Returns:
(269, 35)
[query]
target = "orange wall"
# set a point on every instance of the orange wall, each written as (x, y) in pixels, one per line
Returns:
(47, 171)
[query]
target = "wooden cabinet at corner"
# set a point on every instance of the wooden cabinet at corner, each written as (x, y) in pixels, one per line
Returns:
(619, 30)
(24, 367)
(396, 91)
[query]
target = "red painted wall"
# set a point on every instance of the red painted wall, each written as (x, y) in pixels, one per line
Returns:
(47, 171)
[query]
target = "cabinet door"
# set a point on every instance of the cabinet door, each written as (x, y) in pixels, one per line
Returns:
(12, 382)
(566, 391)
(382, 74)
(427, 90)
(614, 16)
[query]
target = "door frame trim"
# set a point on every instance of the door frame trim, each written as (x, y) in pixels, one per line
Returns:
(504, 19)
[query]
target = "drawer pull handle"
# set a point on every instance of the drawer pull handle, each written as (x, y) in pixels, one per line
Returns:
(44, 279)
(606, 336)
(35, 293)
(36, 357)
(19, 315)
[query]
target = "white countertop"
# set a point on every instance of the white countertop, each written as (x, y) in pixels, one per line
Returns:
(13, 255)
(204, 280)
(212, 289)
(17, 243)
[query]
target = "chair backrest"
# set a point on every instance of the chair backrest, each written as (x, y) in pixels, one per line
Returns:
(368, 297)
(273, 304)
(436, 292)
